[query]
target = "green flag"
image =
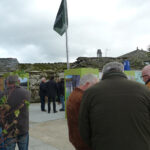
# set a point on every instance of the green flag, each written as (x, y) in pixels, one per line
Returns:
(61, 22)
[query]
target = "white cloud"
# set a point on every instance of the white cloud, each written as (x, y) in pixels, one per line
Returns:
(27, 29)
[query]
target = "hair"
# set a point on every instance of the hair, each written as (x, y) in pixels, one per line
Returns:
(12, 79)
(88, 78)
(43, 78)
(52, 78)
(113, 67)
(146, 69)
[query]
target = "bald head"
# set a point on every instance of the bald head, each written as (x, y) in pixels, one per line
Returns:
(146, 73)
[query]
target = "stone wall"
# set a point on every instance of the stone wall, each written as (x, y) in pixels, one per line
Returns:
(34, 82)
(8, 65)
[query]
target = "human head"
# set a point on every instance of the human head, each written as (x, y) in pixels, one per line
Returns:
(146, 73)
(12, 80)
(52, 78)
(62, 79)
(87, 81)
(43, 79)
(113, 67)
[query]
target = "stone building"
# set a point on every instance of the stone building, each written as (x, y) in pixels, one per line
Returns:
(138, 59)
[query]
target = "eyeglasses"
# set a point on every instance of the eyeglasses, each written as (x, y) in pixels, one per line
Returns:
(144, 76)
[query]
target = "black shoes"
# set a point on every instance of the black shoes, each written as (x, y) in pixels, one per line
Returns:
(61, 109)
(44, 110)
(55, 111)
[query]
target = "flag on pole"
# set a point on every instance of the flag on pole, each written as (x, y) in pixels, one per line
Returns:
(61, 21)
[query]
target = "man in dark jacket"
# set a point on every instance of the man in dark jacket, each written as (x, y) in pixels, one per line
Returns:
(115, 113)
(61, 92)
(42, 93)
(52, 93)
(17, 120)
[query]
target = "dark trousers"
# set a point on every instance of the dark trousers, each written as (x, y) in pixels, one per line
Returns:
(49, 104)
(42, 102)
(21, 140)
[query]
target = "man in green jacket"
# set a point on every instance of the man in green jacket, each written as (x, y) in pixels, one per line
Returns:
(115, 113)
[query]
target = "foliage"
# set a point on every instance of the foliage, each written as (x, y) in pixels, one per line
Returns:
(8, 115)
(17, 112)
(3, 100)
(27, 103)
(20, 73)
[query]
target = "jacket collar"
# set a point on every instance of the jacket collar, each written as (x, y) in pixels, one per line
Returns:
(147, 81)
(114, 74)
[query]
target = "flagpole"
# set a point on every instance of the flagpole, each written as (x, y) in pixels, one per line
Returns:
(68, 65)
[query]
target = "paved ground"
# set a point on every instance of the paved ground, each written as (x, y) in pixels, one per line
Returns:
(48, 131)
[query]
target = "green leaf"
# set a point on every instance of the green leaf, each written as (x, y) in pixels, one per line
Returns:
(27, 103)
(3, 100)
(17, 112)
(4, 131)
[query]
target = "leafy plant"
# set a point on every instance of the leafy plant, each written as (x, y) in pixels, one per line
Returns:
(17, 112)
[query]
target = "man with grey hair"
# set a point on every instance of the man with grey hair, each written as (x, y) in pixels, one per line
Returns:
(73, 105)
(17, 99)
(114, 114)
(113, 66)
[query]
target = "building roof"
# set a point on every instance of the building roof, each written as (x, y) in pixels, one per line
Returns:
(8, 64)
(136, 53)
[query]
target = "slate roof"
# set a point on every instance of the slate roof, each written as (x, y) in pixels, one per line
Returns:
(8, 64)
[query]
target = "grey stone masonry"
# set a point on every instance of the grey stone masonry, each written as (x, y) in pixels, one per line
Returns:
(8, 64)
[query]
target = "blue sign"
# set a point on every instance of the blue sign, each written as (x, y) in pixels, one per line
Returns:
(126, 65)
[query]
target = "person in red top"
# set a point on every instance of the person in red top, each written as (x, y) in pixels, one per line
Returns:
(73, 105)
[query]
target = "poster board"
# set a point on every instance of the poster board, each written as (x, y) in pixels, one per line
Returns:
(135, 75)
(72, 78)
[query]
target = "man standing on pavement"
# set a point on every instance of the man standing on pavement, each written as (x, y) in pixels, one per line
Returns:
(146, 75)
(61, 92)
(115, 113)
(52, 92)
(73, 105)
(42, 93)
(17, 98)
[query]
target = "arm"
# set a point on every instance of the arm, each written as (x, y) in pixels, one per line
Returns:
(84, 122)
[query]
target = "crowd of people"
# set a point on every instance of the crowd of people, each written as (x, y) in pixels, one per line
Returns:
(110, 114)
(52, 91)
(113, 114)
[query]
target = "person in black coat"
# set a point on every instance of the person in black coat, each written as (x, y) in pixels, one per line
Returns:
(115, 113)
(61, 93)
(42, 93)
(52, 91)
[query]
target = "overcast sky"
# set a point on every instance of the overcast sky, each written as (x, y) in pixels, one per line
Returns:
(114, 26)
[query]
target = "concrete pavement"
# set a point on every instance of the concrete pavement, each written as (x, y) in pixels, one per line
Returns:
(48, 131)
